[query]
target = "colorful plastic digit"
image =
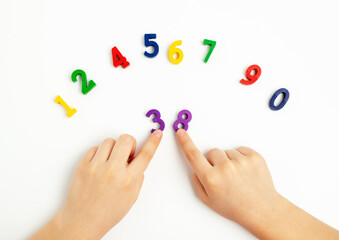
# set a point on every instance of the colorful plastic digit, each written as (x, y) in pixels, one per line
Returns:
(251, 78)
(85, 87)
(70, 111)
(156, 119)
(175, 51)
(149, 43)
(212, 44)
(286, 93)
(182, 120)
(118, 58)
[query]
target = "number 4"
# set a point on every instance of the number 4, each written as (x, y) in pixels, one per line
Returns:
(212, 44)
(118, 58)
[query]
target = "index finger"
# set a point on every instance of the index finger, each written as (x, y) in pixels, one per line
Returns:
(197, 160)
(144, 157)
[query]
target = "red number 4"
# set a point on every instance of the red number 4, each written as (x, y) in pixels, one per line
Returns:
(118, 58)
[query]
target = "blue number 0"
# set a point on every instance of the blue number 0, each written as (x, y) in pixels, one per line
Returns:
(149, 43)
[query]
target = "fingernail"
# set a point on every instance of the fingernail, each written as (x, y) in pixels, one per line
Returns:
(158, 133)
(180, 132)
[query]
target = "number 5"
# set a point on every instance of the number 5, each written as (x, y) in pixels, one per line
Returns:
(149, 43)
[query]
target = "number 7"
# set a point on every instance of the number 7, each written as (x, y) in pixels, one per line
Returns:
(212, 44)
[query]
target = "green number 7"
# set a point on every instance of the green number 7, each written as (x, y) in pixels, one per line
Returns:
(212, 44)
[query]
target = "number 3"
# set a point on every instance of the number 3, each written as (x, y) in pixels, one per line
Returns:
(149, 43)
(156, 119)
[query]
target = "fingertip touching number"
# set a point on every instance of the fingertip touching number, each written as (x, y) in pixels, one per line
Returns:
(118, 58)
(156, 119)
(85, 87)
(286, 94)
(251, 78)
(175, 51)
(212, 44)
(149, 43)
(70, 111)
(182, 120)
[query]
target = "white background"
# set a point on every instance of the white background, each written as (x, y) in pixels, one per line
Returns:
(296, 43)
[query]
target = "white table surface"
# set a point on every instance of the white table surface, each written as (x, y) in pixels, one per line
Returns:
(296, 44)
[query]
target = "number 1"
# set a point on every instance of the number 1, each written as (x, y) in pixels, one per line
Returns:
(212, 44)
(70, 112)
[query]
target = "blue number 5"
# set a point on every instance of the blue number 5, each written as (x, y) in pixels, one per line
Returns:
(149, 43)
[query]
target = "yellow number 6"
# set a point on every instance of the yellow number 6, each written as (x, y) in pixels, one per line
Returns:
(175, 51)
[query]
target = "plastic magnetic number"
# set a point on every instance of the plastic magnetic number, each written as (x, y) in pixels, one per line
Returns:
(85, 87)
(70, 111)
(212, 44)
(149, 43)
(118, 58)
(156, 119)
(283, 102)
(175, 51)
(182, 120)
(251, 78)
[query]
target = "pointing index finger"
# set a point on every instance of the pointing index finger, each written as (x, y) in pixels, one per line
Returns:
(144, 157)
(197, 160)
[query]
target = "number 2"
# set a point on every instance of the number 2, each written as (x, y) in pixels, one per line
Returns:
(85, 87)
(156, 119)
(212, 44)
(149, 43)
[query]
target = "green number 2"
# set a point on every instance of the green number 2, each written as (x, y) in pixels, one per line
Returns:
(85, 88)
(212, 44)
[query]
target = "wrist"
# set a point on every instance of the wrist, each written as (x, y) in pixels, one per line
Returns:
(67, 226)
(262, 219)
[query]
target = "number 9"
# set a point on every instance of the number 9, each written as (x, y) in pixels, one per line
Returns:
(175, 51)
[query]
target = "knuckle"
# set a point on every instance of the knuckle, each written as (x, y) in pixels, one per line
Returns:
(126, 138)
(211, 179)
(92, 172)
(243, 149)
(213, 152)
(229, 153)
(225, 168)
(109, 139)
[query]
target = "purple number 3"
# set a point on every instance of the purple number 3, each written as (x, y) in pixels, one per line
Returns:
(182, 120)
(156, 119)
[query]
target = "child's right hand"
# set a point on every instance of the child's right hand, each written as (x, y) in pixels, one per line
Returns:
(237, 184)
(234, 183)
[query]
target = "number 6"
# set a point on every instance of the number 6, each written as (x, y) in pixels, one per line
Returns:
(175, 51)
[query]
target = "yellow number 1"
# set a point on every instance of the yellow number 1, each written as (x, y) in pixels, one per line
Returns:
(70, 112)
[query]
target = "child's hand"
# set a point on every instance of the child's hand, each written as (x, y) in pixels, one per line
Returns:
(237, 185)
(234, 183)
(104, 188)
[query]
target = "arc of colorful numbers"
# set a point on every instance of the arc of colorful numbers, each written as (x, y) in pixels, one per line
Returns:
(175, 56)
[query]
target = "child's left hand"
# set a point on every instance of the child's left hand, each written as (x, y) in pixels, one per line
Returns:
(104, 188)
